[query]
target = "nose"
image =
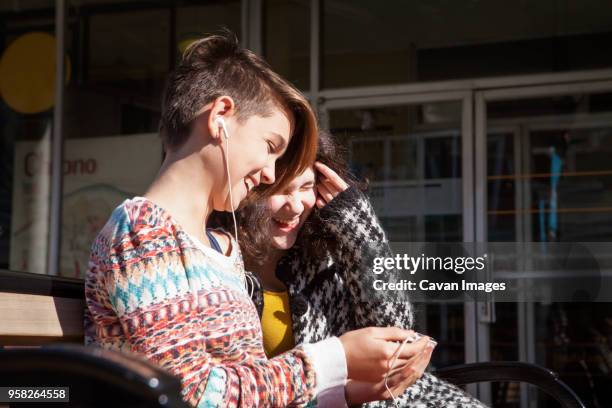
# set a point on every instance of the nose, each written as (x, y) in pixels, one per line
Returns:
(295, 204)
(267, 174)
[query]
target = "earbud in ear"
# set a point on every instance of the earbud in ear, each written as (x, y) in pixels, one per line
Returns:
(221, 122)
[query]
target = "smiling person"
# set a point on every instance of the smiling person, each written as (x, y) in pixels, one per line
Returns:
(308, 244)
(157, 287)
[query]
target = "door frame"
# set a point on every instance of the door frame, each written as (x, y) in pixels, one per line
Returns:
(525, 311)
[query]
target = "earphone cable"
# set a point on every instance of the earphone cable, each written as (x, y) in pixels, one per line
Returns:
(391, 364)
(229, 183)
(229, 186)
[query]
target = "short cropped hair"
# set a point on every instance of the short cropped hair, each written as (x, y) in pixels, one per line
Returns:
(217, 65)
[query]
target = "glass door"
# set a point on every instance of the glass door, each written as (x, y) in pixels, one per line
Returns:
(544, 174)
(410, 149)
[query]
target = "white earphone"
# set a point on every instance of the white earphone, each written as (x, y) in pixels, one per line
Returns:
(221, 122)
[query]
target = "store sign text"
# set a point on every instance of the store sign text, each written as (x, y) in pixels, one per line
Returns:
(33, 165)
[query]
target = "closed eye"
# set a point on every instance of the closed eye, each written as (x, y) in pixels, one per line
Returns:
(308, 186)
(271, 147)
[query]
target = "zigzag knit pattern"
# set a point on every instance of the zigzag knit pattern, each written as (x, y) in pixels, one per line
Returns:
(152, 290)
(335, 288)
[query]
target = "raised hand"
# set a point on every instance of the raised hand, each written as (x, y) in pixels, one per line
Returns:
(329, 184)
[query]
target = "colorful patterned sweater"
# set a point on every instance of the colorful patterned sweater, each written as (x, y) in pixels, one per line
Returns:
(153, 290)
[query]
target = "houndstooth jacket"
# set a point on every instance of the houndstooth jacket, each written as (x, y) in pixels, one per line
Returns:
(329, 292)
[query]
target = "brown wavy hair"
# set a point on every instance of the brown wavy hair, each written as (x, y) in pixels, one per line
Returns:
(255, 218)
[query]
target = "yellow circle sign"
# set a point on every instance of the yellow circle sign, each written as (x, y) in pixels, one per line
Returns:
(27, 73)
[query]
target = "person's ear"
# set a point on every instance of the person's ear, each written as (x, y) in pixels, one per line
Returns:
(223, 108)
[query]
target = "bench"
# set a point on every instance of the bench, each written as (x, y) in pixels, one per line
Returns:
(39, 310)
(41, 343)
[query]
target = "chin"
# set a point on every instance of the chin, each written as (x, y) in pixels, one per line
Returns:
(228, 204)
(283, 243)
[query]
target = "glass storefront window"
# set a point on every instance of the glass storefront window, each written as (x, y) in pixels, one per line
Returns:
(411, 157)
(549, 179)
(118, 56)
(377, 43)
(198, 20)
(408, 151)
(286, 39)
(27, 83)
(112, 148)
(124, 57)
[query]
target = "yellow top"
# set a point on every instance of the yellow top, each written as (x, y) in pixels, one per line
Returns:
(276, 323)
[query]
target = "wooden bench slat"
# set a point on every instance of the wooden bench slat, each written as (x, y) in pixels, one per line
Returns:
(39, 317)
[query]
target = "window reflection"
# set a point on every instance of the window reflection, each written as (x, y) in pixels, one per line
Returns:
(549, 180)
(411, 157)
(396, 41)
(112, 150)
(27, 82)
(286, 39)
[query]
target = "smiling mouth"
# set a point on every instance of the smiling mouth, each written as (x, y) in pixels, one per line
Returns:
(286, 224)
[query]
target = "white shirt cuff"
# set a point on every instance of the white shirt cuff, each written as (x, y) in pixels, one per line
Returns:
(329, 362)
